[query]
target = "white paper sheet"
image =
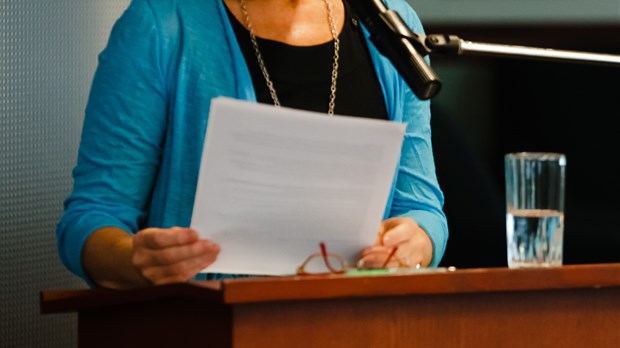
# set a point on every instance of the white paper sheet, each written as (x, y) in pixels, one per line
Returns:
(274, 182)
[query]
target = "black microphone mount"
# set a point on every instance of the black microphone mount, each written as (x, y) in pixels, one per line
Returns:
(406, 49)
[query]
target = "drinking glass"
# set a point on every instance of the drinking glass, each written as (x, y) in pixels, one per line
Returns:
(535, 208)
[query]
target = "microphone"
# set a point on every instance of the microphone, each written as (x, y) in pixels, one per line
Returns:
(395, 40)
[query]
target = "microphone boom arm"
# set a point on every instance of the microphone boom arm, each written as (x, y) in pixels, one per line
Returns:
(451, 44)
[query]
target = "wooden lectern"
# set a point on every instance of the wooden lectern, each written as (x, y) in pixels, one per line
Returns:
(569, 306)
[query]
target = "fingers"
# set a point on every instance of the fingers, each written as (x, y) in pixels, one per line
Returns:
(166, 256)
(395, 231)
(376, 258)
(171, 255)
(179, 272)
(161, 238)
(401, 233)
(380, 249)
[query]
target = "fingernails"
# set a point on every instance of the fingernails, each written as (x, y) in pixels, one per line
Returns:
(191, 232)
(216, 247)
(360, 263)
(212, 246)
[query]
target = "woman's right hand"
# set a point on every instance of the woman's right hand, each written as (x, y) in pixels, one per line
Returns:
(171, 255)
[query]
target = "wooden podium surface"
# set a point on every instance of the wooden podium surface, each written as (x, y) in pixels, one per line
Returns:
(569, 306)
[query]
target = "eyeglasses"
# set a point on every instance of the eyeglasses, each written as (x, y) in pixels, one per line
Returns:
(335, 264)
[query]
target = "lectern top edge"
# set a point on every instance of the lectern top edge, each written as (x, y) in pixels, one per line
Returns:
(81, 299)
(277, 289)
(297, 288)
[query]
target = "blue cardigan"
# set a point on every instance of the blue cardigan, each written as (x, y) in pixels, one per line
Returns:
(147, 115)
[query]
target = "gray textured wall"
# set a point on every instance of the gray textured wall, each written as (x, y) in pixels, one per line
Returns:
(48, 53)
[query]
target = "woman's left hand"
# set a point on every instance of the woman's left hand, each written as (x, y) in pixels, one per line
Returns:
(414, 246)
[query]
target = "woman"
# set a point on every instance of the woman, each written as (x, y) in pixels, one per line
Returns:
(146, 118)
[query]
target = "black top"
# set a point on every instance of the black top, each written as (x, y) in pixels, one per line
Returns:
(302, 74)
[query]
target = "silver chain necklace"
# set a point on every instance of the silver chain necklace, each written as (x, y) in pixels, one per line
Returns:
(261, 63)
